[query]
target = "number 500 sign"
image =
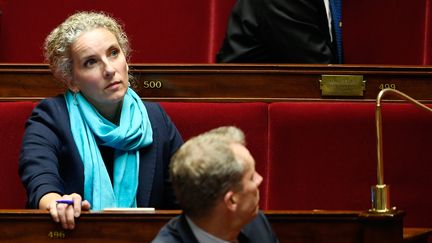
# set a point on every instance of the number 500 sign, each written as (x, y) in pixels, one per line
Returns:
(152, 84)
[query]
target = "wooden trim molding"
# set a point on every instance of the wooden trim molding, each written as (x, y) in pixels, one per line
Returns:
(229, 82)
(290, 226)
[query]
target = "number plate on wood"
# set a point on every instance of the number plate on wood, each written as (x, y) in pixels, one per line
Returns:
(342, 85)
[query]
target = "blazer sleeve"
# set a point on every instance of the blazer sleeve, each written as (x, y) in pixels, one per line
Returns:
(39, 158)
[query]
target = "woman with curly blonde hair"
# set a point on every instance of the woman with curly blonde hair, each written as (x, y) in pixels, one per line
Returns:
(97, 145)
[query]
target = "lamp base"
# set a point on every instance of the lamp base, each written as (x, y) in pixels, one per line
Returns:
(380, 198)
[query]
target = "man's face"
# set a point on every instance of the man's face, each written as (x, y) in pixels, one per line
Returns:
(248, 197)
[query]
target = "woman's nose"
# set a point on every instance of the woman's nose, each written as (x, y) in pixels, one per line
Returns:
(109, 70)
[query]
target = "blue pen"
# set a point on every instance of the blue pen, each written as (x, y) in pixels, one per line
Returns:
(65, 201)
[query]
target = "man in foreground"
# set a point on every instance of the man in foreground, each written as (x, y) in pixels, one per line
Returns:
(216, 184)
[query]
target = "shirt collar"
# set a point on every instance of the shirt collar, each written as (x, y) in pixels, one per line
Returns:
(201, 235)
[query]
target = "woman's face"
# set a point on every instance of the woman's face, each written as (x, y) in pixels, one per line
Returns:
(99, 69)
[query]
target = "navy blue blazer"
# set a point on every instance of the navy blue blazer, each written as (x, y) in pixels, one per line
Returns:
(177, 230)
(50, 161)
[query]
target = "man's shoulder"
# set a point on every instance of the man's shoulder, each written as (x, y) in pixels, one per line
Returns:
(259, 230)
(258, 220)
(170, 232)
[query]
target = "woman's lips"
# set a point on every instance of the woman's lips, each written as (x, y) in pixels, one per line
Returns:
(113, 85)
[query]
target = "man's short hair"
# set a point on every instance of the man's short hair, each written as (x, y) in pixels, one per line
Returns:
(205, 168)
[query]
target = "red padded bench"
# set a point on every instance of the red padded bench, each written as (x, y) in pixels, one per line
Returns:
(322, 155)
(12, 118)
(312, 155)
(194, 118)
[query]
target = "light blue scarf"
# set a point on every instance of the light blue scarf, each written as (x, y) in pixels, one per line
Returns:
(89, 129)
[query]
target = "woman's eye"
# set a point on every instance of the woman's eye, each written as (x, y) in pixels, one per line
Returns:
(114, 52)
(89, 62)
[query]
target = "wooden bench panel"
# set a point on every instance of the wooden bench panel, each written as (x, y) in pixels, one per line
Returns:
(226, 82)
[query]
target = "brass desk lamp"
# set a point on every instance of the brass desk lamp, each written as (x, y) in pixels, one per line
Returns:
(380, 192)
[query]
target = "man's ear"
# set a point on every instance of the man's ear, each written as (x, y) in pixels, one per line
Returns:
(230, 200)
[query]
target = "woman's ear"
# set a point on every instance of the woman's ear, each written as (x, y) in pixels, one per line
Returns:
(230, 201)
(72, 86)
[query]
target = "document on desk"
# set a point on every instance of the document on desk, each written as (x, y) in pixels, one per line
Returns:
(129, 210)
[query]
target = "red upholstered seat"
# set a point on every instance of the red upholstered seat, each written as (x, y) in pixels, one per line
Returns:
(407, 134)
(191, 31)
(164, 31)
(13, 117)
(323, 156)
(312, 155)
(194, 118)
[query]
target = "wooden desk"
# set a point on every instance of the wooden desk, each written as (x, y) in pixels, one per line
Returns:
(290, 226)
(228, 82)
(37, 226)
(417, 235)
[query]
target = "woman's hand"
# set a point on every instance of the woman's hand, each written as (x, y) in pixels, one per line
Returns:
(64, 213)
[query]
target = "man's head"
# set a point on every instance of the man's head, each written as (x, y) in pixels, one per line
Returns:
(213, 168)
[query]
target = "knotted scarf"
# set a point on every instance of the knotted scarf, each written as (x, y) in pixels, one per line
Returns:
(89, 128)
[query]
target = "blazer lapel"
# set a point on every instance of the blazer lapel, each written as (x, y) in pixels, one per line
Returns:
(147, 171)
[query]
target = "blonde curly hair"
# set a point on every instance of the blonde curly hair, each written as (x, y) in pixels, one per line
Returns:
(57, 48)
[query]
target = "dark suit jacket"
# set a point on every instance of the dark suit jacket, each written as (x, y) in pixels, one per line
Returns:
(50, 161)
(278, 31)
(177, 230)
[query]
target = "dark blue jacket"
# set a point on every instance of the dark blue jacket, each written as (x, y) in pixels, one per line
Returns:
(177, 230)
(278, 31)
(50, 161)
